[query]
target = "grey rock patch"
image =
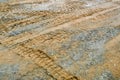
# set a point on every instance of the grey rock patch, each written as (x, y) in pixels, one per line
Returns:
(8, 71)
(90, 43)
(3, 0)
(106, 75)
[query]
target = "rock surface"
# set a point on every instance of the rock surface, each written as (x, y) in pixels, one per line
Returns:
(59, 39)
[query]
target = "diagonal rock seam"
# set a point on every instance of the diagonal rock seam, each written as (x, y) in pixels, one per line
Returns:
(55, 28)
(43, 60)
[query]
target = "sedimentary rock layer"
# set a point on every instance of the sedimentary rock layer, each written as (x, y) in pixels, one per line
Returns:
(60, 40)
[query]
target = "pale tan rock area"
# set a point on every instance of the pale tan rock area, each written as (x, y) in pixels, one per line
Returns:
(59, 39)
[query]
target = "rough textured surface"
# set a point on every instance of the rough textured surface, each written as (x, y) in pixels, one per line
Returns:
(59, 39)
